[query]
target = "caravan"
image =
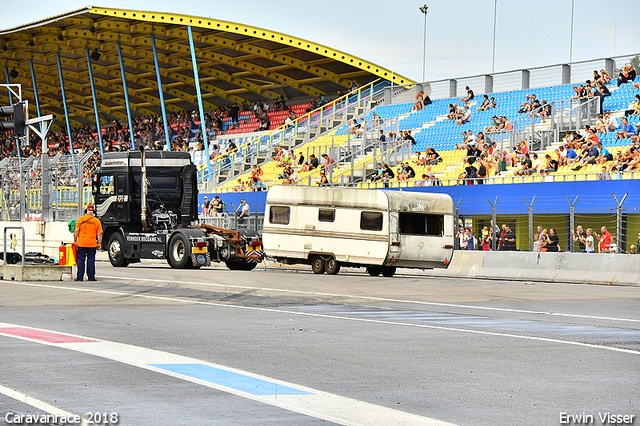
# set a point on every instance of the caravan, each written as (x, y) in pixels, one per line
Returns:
(377, 229)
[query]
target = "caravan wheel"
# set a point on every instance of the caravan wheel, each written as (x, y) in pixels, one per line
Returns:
(317, 264)
(374, 271)
(332, 266)
(388, 271)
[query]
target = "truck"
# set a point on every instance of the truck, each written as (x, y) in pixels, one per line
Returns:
(376, 229)
(147, 202)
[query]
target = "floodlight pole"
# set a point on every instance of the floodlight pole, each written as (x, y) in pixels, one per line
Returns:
(424, 10)
(495, 14)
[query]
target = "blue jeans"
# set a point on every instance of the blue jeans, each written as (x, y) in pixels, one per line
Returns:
(88, 253)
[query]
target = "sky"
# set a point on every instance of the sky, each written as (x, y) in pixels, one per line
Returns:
(529, 33)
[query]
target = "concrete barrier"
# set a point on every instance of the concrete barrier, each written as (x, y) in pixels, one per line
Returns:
(34, 272)
(465, 263)
(562, 267)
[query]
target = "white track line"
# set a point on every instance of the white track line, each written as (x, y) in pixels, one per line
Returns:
(309, 314)
(308, 401)
(377, 299)
(41, 405)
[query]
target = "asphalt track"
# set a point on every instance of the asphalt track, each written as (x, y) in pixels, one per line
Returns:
(157, 346)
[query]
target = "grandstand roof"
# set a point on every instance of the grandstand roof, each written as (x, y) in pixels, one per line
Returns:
(236, 62)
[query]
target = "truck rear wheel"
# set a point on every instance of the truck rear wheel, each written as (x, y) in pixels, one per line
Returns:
(115, 248)
(317, 265)
(388, 271)
(374, 271)
(179, 249)
(332, 266)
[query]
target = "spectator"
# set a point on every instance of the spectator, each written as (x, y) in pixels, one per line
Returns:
(486, 239)
(509, 240)
(323, 179)
(604, 240)
(635, 110)
(625, 130)
(466, 117)
(486, 103)
(580, 237)
(408, 137)
(205, 206)
(469, 96)
(243, 211)
(311, 164)
(553, 241)
(604, 175)
(329, 164)
(382, 139)
(353, 86)
(627, 74)
(589, 244)
(551, 165)
(218, 206)
(424, 181)
(526, 168)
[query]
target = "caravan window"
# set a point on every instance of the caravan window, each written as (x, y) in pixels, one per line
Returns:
(326, 215)
(279, 215)
(421, 224)
(371, 221)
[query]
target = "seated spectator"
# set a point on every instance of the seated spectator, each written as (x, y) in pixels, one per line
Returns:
(323, 180)
(604, 156)
(421, 101)
(625, 130)
(590, 157)
(526, 168)
(406, 172)
(424, 181)
(470, 173)
(407, 137)
(604, 77)
(239, 187)
(466, 117)
(311, 164)
(257, 184)
(505, 123)
(469, 96)
(387, 174)
(377, 175)
(452, 115)
(525, 106)
(492, 103)
(494, 126)
(329, 164)
(637, 137)
(551, 165)
(627, 74)
(462, 145)
(421, 160)
(433, 157)
(292, 178)
(486, 103)
(635, 110)
(604, 174)
(545, 111)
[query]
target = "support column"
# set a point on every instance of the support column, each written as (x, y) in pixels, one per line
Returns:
(164, 110)
(95, 101)
(203, 124)
(566, 74)
(453, 88)
(488, 84)
(66, 111)
(126, 96)
(526, 79)
(35, 88)
(6, 74)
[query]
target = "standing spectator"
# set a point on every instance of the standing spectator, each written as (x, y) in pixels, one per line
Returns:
(382, 138)
(580, 237)
(509, 240)
(233, 113)
(88, 237)
(604, 240)
(589, 242)
(243, 211)
(554, 240)
(205, 206)
(471, 244)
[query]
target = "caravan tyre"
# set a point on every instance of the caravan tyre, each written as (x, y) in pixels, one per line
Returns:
(388, 271)
(332, 266)
(374, 271)
(317, 265)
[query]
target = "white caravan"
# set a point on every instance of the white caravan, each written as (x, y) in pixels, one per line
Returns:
(376, 229)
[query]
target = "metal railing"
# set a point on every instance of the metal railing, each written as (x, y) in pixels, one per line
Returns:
(285, 134)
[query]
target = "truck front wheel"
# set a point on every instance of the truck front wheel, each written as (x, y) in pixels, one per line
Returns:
(115, 247)
(179, 252)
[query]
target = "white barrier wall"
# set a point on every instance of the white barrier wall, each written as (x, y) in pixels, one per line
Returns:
(46, 243)
(552, 267)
